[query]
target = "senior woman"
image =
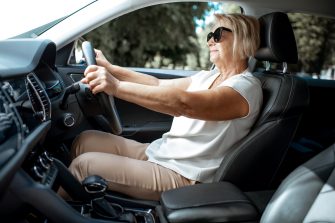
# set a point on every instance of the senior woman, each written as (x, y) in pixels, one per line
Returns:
(212, 111)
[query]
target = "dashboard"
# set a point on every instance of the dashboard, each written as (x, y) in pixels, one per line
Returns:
(29, 84)
(42, 108)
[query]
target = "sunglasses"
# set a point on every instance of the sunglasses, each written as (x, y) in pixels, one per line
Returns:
(217, 34)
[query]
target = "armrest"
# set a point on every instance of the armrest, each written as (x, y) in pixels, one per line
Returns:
(214, 202)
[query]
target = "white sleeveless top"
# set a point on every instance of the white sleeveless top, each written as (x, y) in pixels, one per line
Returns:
(195, 148)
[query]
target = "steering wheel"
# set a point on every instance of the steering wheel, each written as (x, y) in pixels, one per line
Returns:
(105, 101)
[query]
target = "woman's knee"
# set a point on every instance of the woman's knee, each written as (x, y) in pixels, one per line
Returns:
(80, 166)
(82, 142)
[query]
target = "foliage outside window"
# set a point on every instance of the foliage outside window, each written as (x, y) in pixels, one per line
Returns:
(156, 36)
(173, 36)
(315, 37)
(162, 36)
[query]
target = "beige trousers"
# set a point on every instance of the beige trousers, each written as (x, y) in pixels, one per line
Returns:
(123, 163)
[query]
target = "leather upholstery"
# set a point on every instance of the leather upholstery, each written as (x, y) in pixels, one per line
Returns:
(215, 202)
(253, 162)
(277, 39)
(307, 194)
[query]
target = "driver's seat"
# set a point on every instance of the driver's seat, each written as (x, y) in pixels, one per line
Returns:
(254, 161)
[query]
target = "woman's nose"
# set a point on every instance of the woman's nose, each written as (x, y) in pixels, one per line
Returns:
(210, 42)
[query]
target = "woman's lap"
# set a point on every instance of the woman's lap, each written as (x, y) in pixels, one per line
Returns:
(122, 162)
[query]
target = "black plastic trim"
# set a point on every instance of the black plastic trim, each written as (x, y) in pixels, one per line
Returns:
(21, 56)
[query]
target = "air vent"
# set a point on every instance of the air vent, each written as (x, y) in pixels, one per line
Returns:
(38, 97)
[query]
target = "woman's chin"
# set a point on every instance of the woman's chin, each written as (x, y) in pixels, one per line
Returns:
(213, 59)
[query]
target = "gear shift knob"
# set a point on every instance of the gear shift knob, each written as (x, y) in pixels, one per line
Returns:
(95, 184)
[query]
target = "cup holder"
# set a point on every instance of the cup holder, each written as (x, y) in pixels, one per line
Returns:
(101, 213)
(130, 215)
(83, 208)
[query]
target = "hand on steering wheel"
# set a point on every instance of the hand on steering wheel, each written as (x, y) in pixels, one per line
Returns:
(106, 102)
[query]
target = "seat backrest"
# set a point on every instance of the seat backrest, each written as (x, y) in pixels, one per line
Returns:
(253, 162)
(307, 194)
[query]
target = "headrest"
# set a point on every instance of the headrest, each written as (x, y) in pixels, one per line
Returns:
(277, 39)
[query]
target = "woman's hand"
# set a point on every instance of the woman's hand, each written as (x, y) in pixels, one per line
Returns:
(100, 80)
(101, 59)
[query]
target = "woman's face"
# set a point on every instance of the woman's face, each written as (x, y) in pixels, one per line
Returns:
(222, 51)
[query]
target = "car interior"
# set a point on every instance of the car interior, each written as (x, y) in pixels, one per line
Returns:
(282, 171)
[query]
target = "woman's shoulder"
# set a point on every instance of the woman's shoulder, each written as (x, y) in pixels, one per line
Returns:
(203, 74)
(246, 76)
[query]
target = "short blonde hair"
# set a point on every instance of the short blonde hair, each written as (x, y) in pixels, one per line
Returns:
(246, 33)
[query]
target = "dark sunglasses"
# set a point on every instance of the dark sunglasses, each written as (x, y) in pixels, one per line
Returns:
(217, 34)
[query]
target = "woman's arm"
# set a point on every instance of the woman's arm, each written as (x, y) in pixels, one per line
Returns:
(222, 103)
(124, 74)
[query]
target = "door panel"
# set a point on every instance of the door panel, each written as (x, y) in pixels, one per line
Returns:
(143, 124)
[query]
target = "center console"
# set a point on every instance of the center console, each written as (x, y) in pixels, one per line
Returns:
(91, 200)
(101, 205)
(36, 185)
(212, 202)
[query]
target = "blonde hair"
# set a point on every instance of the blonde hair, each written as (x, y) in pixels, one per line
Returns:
(246, 33)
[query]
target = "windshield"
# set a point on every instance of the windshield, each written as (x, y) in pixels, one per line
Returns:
(32, 18)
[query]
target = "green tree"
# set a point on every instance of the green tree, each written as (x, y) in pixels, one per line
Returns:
(330, 46)
(166, 32)
(313, 41)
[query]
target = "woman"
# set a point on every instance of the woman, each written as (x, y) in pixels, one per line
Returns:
(212, 111)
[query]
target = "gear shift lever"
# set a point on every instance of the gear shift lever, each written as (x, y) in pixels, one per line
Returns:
(96, 186)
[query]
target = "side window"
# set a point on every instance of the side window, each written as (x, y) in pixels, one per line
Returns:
(169, 36)
(315, 37)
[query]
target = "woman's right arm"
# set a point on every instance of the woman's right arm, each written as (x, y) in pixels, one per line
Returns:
(124, 74)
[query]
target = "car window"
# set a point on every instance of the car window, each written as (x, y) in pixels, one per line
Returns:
(169, 36)
(315, 37)
(137, 39)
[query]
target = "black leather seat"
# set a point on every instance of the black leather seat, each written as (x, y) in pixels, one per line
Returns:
(254, 161)
(306, 195)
